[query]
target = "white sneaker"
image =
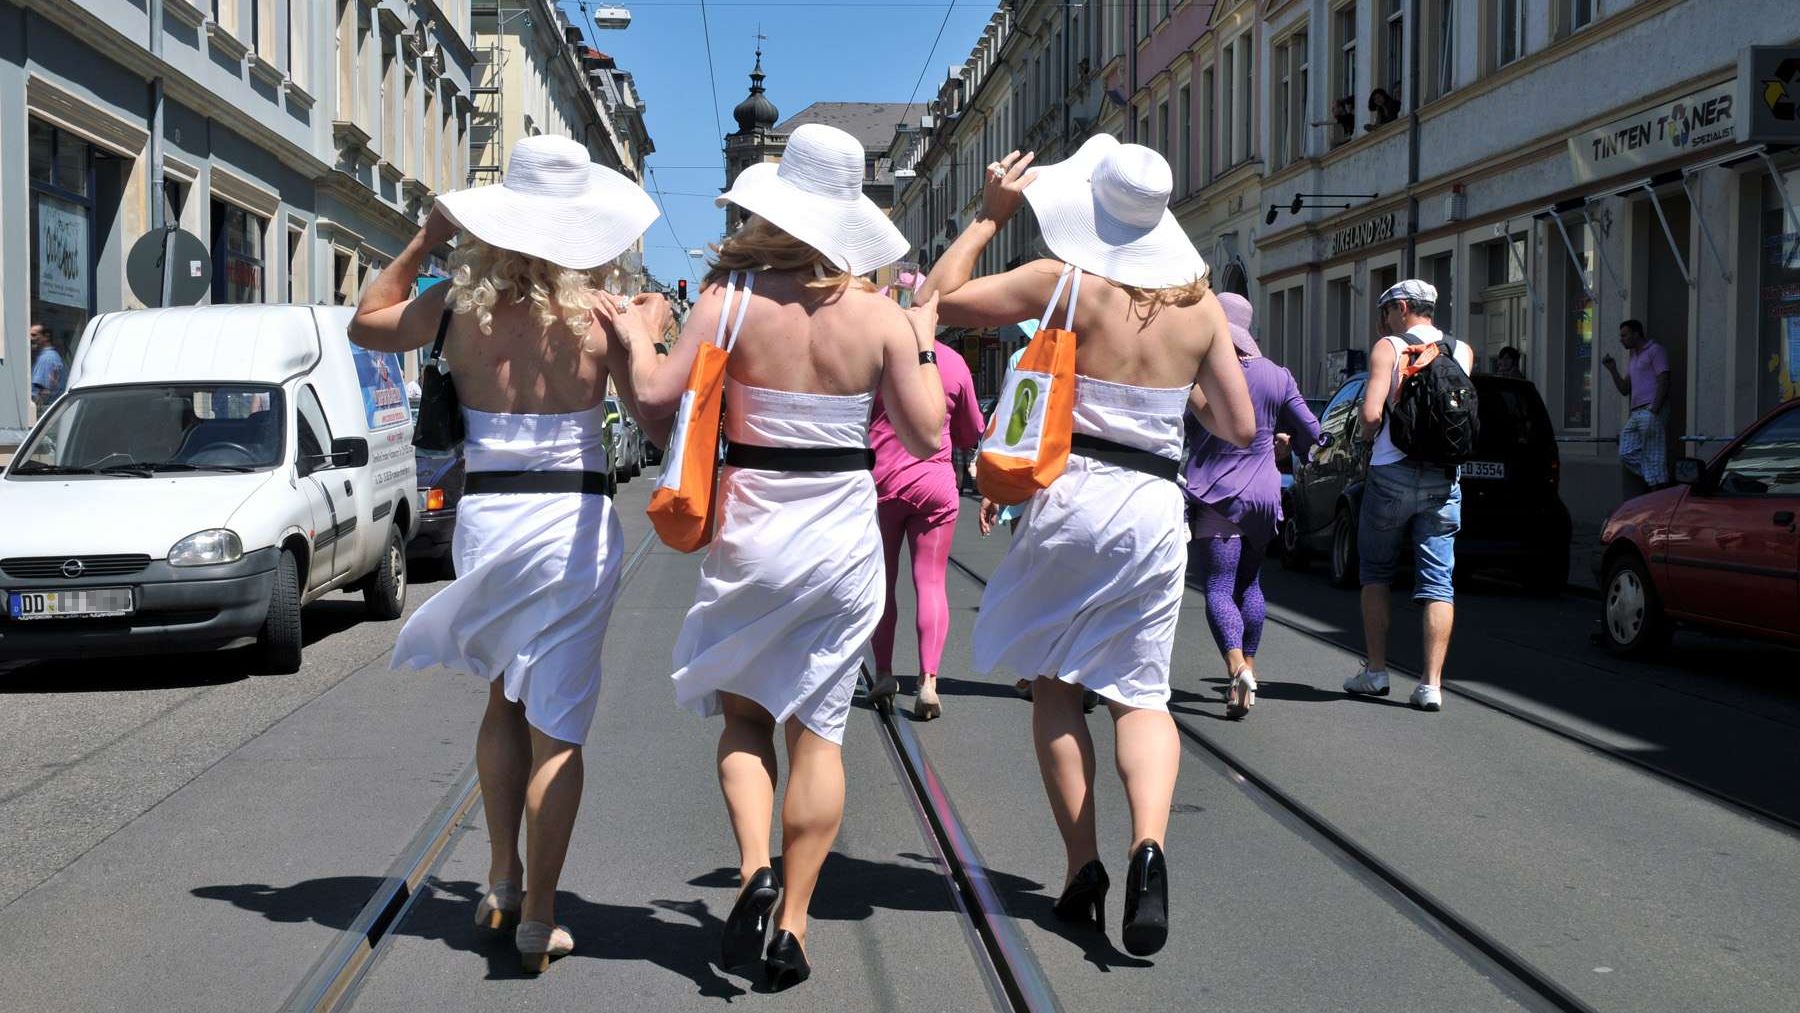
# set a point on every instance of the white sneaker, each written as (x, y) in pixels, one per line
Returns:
(1427, 698)
(1369, 682)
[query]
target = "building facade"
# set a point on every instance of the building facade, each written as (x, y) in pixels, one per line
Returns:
(300, 142)
(1544, 224)
(535, 72)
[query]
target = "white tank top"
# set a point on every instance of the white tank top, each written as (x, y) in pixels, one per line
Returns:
(1384, 451)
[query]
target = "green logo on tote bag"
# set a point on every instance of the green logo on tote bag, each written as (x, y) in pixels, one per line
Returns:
(1024, 399)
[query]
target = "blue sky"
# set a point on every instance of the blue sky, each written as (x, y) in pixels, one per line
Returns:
(852, 51)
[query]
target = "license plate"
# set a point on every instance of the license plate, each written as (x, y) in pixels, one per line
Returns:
(1484, 469)
(87, 603)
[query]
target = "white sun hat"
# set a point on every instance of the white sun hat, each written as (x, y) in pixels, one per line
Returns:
(555, 204)
(1105, 210)
(815, 195)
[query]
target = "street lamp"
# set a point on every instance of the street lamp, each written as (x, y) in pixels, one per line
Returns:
(1299, 204)
(615, 18)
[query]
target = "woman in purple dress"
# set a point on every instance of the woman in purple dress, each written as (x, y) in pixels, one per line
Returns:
(1235, 496)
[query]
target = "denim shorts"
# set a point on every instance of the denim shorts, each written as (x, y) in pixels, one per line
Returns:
(1417, 501)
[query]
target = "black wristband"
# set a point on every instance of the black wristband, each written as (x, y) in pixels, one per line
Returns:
(928, 357)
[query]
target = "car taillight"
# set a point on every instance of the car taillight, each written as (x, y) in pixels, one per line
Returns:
(434, 499)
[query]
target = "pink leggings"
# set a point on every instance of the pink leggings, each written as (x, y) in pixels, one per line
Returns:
(928, 537)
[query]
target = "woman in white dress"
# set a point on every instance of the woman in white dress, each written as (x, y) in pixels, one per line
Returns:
(791, 588)
(1090, 588)
(538, 547)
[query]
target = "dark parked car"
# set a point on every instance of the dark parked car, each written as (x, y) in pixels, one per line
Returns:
(1512, 516)
(440, 482)
(1721, 548)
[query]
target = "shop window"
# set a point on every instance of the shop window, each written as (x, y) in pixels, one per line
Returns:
(1577, 325)
(1337, 311)
(62, 235)
(1778, 358)
(237, 254)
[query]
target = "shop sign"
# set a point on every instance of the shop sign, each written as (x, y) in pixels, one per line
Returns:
(1700, 120)
(62, 252)
(1378, 229)
(1769, 83)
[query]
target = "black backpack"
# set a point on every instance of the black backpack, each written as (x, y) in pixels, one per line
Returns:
(1437, 417)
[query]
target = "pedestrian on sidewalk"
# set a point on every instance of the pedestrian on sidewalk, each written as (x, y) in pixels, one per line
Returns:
(917, 504)
(1644, 442)
(1091, 587)
(538, 545)
(790, 590)
(1235, 497)
(1406, 499)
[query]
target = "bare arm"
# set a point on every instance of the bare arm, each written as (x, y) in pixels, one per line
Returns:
(632, 334)
(1662, 393)
(388, 317)
(1381, 382)
(1225, 408)
(1001, 299)
(1612, 367)
(658, 381)
(913, 391)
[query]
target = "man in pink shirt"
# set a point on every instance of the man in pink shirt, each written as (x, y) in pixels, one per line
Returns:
(1643, 443)
(917, 502)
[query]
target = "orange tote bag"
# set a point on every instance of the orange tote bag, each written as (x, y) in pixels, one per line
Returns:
(683, 505)
(1026, 446)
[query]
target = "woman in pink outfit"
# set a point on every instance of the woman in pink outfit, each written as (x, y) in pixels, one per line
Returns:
(917, 501)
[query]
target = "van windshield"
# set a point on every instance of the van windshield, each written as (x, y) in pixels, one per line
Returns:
(147, 429)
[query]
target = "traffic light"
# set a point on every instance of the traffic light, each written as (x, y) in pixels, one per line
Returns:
(681, 289)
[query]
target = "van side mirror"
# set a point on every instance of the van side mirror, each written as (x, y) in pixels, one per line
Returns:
(349, 452)
(1688, 470)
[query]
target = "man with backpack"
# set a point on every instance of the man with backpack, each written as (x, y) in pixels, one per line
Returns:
(1421, 406)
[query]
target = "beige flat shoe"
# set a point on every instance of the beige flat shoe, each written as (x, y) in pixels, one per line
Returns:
(539, 943)
(927, 706)
(498, 909)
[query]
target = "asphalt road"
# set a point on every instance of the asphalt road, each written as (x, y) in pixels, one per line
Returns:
(176, 835)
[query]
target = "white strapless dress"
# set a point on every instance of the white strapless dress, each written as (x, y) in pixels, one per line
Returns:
(536, 574)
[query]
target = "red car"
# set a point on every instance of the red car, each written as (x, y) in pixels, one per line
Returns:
(1718, 549)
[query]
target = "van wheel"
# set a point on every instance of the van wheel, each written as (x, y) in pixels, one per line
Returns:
(1631, 614)
(385, 594)
(279, 643)
(1344, 561)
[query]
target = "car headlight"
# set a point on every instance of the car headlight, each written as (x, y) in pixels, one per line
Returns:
(207, 548)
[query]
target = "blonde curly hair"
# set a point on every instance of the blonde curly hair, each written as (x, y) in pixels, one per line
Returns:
(759, 244)
(483, 277)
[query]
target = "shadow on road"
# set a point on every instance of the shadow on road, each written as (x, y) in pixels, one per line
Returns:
(1715, 710)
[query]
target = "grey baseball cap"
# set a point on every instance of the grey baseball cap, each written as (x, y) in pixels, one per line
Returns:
(1412, 290)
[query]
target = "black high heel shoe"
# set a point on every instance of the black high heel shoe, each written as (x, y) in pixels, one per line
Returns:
(1085, 897)
(1146, 901)
(749, 921)
(786, 963)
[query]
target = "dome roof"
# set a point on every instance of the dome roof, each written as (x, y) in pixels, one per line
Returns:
(756, 112)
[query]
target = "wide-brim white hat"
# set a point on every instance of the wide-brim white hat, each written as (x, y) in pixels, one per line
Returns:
(555, 204)
(815, 195)
(1105, 209)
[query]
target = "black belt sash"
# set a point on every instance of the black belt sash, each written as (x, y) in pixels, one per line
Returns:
(1125, 457)
(592, 483)
(749, 455)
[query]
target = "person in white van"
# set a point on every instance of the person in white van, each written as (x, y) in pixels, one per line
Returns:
(538, 546)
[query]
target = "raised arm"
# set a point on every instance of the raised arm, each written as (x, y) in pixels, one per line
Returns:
(912, 391)
(1007, 298)
(388, 317)
(1223, 406)
(632, 333)
(657, 381)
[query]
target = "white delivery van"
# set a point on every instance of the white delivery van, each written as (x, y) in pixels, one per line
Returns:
(208, 471)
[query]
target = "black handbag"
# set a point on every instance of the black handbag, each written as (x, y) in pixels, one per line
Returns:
(440, 425)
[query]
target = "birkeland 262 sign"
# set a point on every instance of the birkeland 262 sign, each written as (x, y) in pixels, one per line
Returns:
(1670, 130)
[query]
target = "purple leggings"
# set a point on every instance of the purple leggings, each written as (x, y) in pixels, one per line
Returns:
(1231, 571)
(928, 534)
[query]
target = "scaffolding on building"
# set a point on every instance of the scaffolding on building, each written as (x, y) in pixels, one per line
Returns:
(486, 157)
